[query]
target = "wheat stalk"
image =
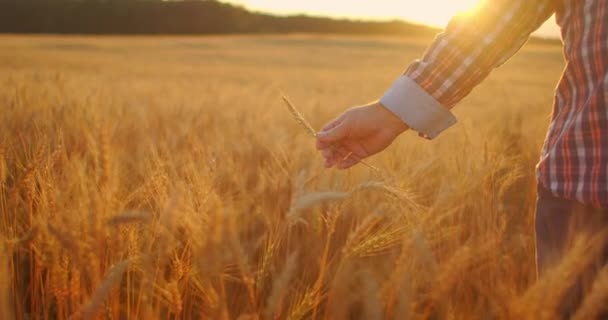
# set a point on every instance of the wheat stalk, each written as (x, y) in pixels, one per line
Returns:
(280, 287)
(312, 132)
(595, 302)
(302, 202)
(6, 308)
(305, 304)
(101, 293)
(3, 167)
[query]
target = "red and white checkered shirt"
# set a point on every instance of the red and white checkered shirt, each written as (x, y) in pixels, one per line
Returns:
(574, 160)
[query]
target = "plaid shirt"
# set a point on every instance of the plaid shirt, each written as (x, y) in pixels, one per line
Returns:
(574, 159)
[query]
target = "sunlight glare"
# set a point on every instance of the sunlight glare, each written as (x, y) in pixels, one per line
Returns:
(431, 12)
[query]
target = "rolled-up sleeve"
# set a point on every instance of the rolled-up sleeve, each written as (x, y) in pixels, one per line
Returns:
(414, 106)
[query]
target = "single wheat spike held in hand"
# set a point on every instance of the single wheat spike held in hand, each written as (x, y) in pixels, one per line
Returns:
(312, 132)
(299, 117)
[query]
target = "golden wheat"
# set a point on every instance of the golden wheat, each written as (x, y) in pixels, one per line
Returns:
(299, 118)
(163, 186)
(595, 304)
(94, 305)
(6, 303)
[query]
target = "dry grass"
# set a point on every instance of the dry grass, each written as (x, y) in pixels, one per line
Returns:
(162, 178)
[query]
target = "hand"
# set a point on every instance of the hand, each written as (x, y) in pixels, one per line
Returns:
(357, 134)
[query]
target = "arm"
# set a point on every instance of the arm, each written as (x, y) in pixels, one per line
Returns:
(460, 58)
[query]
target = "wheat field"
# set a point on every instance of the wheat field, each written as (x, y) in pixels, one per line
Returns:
(164, 178)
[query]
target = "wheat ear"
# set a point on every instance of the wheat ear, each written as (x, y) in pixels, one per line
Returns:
(312, 132)
(299, 117)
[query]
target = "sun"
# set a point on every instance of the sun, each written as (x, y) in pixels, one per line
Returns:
(439, 12)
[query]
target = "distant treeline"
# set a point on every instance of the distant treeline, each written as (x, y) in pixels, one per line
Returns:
(173, 17)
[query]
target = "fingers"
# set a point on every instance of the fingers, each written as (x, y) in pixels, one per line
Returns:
(328, 163)
(336, 155)
(352, 158)
(331, 156)
(348, 162)
(332, 133)
(334, 123)
(357, 148)
(328, 157)
(332, 142)
(340, 157)
(321, 145)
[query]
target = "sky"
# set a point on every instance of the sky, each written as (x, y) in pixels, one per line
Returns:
(431, 12)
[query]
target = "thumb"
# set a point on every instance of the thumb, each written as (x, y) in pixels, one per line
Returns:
(334, 134)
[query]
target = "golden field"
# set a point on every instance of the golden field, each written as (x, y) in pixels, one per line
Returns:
(163, 178)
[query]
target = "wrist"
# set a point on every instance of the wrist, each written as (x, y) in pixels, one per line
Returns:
(392, 121)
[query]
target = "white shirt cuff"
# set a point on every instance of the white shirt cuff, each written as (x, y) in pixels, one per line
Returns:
(419, 110)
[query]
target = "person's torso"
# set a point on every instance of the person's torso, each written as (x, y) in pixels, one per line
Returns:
(574, 163)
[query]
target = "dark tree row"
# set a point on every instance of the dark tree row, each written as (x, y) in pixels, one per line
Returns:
(171, 17)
